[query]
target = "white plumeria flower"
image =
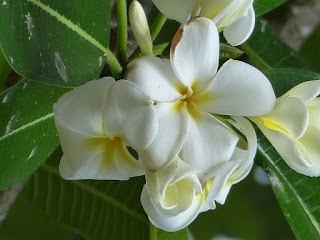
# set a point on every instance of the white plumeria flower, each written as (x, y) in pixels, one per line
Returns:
(233, 171)
(96, 122)
(174, 195)
(236, 17)
(187, 88)
(293, 127)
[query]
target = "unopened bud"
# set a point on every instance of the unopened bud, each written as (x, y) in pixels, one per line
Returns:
(140, 28)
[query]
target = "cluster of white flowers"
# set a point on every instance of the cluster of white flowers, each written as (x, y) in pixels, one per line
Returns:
(186, 120)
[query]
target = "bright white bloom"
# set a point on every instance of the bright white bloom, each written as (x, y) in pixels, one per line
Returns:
(174, 195)
(237, 17)
(187, 88)
(96, 122)
(293, 127)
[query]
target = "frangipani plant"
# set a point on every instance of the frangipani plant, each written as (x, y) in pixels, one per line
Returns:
(168, 129)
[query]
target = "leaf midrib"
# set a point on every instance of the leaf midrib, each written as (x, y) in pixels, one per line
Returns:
(97, 194)
(306, 210)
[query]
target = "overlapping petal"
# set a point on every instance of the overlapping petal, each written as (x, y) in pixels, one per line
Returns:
(155, 77)
(195, 53)
(239, 31)
(179, 10)
(172, 197)
(305, 91)
(80, 110)
(208, 142)
(130, 115)
(170, 137)
(238, 89)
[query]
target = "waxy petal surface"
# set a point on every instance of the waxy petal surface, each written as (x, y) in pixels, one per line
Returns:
(195, 53)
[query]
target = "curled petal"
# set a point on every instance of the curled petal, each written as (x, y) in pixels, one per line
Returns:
(130, 115)
(195, 53)
(305, 91)
(238, 89)
(172, 197)
(80, 110)
(245, 156)
(179, 10)
(213, 9)
(314, 111)
(95, 158)
(239, 31)
(170, 137)
(155, 77)
(289, 116)
(290, 149)
(217, 182)
(208, 142)
(173, 188)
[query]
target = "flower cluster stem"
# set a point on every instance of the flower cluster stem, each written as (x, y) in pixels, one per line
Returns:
(122, 30)
(114, 64)
(157, 25)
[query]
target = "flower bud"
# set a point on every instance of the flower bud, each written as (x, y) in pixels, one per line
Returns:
(140, 28)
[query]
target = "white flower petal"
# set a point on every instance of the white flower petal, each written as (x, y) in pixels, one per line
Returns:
(173, 188)
(290, 115)
(170, 224)
(208, 142)
(130, 115)
(179, 10)
(170, 137)
(305, 91)
(213, 8)
(246, 156)
(314, 111)
(291, 150)
(155, 77)
(80, 110)
(217, 181)
(195, 53)
(238, 89)
(95, 158)
(239, 31)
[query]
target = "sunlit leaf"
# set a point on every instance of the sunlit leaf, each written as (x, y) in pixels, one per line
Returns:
(4, 70)
(60, 42)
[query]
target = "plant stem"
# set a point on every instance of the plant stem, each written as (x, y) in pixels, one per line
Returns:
(122, 30)
(114, 64)
(157, 25)
(153, 232)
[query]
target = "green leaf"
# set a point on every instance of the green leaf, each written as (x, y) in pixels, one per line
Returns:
(98, 209)
(4, 70)
(266, 50)
(18, 223)
(263, 6)
(56, 42)
(159, 234)
(227, 51)
(297, 194)
(27, 130)
(310, 50)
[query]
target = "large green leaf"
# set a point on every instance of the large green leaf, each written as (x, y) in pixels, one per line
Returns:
(158, 234)
(266, 50)
(27, 131)
(263, 6)
(310, 50)
(41, 227)
(98, 209)
(297, 194)
(4, 70)
(60, 42)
